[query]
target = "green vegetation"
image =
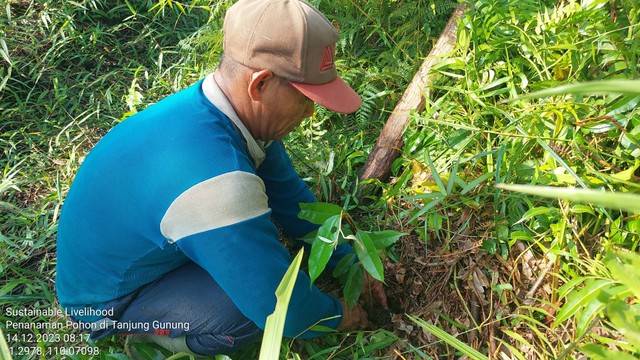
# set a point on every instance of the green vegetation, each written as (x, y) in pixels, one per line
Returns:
(274, 328)
(482, 271)
(336, 227)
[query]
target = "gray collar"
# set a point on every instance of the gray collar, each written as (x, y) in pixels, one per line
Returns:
(215, 95)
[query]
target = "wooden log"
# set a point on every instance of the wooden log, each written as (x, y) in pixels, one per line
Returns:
(389, 144)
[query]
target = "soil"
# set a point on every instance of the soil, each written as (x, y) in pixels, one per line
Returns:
(380, 317)
(450, 281)
(453, 283)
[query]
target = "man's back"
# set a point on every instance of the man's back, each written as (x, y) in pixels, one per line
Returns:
(124, 188)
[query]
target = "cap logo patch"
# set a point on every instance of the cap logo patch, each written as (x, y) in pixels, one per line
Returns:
(327, 59)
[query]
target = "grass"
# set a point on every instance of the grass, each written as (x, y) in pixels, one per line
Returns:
(489, 267)
(70, 72)
(470, 137)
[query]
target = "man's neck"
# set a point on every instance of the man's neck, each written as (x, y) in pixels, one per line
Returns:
(213, 92)
(240, 102)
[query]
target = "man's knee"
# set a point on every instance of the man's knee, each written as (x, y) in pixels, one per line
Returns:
(217, 344)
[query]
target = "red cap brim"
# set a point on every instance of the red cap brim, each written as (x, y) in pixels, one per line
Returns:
(335, 95)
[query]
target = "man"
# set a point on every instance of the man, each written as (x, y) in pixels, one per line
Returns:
(166, 230)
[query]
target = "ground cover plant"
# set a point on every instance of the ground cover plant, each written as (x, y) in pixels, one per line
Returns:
(481, 272)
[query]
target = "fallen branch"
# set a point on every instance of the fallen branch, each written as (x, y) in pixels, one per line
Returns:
(389, 143)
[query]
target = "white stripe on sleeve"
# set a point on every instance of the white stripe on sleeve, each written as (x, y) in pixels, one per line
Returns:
(214, 203)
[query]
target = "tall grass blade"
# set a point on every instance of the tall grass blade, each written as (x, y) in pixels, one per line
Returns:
(4, 51)
(436, 176)
(614, 200)
(4, 348)
(449, 339)
(274, 328)
(625, 87)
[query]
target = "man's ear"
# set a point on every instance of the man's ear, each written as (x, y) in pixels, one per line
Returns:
(258, 83)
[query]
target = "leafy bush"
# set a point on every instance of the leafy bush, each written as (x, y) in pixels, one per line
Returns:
(336, 228)
(469, 137)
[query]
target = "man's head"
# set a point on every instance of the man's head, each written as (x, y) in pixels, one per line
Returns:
(295, 42)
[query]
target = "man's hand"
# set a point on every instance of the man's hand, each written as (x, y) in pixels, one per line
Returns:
(353, 319)
(373, 293)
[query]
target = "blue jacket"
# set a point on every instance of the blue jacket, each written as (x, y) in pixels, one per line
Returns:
(176, 183)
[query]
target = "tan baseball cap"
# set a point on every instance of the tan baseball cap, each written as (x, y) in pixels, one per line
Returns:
(295, 41)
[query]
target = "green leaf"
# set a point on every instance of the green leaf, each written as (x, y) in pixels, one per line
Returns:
(322, 328)
(385, 238)
(344, 265)
(495, 83)
(353, 286)
(570, 286)
(368, 255)
(378, 342)
(584, 317)
(274, 328)
(8, 287)
(430, 205)
(577, 300)
(533, 212)
(626, 319)
(490, 245)
(472, 185)
(453, 177)
(581, 209)
(615, 200)
(625, 267)
(599, 352)
(310, 237)
(436, 176)
(323, 245)
(320, 254)
(318, 212)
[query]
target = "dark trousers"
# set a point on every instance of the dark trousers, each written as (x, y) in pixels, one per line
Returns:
(185, 302)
